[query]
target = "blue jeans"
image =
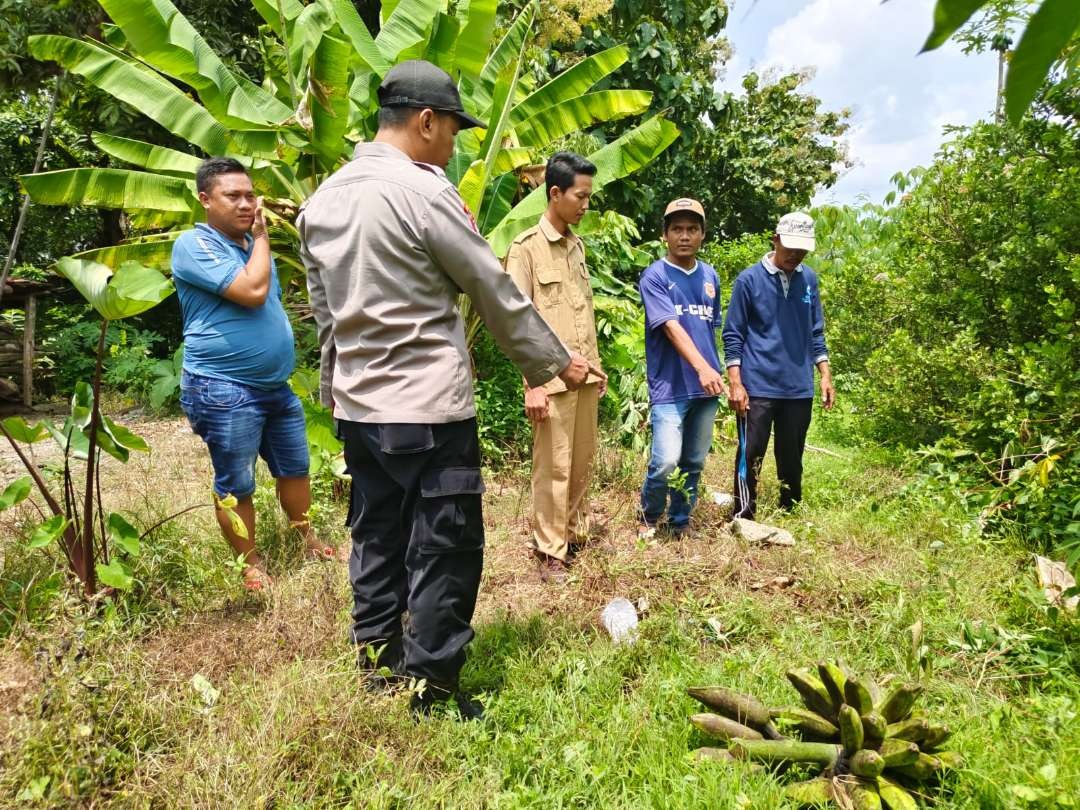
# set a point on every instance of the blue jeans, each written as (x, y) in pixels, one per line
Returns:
(681, 437)
(240, 423)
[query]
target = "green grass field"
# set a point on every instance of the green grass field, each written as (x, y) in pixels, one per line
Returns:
(189, 693)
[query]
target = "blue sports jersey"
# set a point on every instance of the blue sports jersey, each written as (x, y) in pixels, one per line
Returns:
(248, 345)
(693, 299)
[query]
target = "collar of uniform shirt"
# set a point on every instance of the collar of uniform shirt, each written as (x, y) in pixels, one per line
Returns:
(682, 270)
(436, 170)
(553, 234)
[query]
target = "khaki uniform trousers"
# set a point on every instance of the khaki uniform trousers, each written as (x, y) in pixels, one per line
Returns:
(564, 446)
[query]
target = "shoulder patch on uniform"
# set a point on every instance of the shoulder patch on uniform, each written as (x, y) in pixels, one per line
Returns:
(521, 237)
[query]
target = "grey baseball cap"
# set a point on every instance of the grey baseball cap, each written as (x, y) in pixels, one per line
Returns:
(422, 85)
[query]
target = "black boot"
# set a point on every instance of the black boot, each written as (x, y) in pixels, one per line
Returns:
(384, 671)
(424, 704)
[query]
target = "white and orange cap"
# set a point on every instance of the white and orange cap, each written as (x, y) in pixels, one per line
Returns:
(796, 231)
(685, 205)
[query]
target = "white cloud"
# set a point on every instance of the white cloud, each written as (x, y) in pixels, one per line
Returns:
(865, 57)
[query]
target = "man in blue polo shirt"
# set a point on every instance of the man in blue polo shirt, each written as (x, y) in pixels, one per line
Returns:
(773, 338)
(238, 355)
(681, 296)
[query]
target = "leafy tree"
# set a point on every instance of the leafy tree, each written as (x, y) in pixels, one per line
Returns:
(953, 319)
(49, 234)
(1051, 37)
(748, 158)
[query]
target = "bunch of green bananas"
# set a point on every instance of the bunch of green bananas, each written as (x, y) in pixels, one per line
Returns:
(871, 745)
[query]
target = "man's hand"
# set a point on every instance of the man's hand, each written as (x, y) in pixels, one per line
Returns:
(828, 393)
(536, 404)
(577, 372)
(712, 381)
(258, 226)
(603, 386)
(738, 399)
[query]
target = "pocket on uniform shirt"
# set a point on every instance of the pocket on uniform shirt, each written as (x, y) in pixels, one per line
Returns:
(549, 281)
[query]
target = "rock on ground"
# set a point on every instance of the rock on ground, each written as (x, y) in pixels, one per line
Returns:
(755, 532)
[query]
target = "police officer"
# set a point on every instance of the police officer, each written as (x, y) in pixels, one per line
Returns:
(389, 245)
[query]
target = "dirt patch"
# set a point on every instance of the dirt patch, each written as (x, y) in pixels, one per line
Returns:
(19, 682)
(300, 619)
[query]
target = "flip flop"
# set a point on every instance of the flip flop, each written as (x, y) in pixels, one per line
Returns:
(258, 582)
(321, 553)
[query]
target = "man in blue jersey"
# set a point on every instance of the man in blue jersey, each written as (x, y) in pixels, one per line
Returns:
(773, 338)
(238, 355)
(681, 296)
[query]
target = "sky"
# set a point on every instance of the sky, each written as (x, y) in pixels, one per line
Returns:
(865, 56)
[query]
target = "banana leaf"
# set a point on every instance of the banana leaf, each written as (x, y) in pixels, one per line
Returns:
(132, 289)
(572, 82)
(363, 44)
(477, 25)
(111, 188)
(135, 84)
(278, 13)
(510, 159)
(328, 88)
(579, 113)
(147, 155)
(407, 27)
(475, 181)
(498, 200)
(163, 37)
(443, 43)
(155, 252)
(478, 94)
(304, 37)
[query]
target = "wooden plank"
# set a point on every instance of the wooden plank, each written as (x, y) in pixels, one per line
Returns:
(28, 351)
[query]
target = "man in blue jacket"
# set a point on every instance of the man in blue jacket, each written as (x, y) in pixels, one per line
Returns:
(681, 296)
(773, 337)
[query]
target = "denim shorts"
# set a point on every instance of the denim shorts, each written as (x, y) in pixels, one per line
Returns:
(240, 423)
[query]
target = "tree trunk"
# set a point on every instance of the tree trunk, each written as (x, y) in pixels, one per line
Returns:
(14, 248)
(90, 582)
(999, 101)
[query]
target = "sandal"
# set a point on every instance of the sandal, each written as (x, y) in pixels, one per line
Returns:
(320, 552)
(256, 580)
(314, 548)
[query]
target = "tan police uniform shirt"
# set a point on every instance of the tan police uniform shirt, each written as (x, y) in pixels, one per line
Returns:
(550, 269)
(389, 245)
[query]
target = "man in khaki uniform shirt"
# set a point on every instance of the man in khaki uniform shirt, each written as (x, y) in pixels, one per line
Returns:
(389, 245)
(548, 264)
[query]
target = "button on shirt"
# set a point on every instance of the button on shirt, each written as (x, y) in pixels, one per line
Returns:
(248, 345)
(389, 245)
(549, 268)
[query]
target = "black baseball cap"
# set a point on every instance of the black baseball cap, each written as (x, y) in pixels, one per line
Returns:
(422, 85)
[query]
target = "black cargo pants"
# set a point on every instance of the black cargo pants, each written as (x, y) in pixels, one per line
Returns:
(791, 418)
(417, 542)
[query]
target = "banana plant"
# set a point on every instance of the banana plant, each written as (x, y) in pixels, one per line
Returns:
(86, 533)
(322, 66)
